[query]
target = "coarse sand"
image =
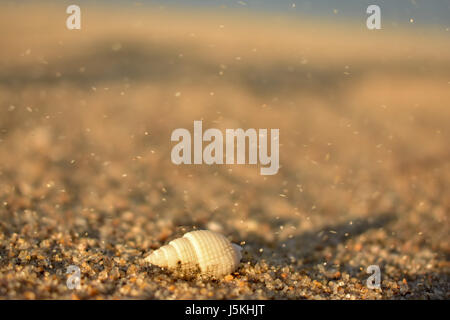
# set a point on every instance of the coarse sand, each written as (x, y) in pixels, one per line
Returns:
(86, 177)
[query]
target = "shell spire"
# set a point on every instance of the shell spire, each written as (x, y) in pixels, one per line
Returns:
(203, 250)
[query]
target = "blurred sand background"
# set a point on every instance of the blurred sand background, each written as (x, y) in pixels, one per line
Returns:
(86, 177)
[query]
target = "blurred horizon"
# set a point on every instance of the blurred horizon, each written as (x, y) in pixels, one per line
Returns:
(397, 13)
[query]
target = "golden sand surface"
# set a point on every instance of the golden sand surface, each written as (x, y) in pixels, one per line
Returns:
(86, 177)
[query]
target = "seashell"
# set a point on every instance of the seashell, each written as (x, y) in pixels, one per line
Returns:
(204, 250)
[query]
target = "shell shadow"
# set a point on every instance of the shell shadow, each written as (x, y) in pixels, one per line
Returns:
(330, 236)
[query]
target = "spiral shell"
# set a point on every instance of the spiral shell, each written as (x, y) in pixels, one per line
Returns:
(203, 250)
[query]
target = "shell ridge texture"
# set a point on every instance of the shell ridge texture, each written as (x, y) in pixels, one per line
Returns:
(206, 250)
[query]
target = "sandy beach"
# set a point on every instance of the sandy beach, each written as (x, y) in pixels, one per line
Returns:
(86, 176)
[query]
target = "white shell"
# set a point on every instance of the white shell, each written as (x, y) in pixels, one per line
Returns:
(206, 250)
